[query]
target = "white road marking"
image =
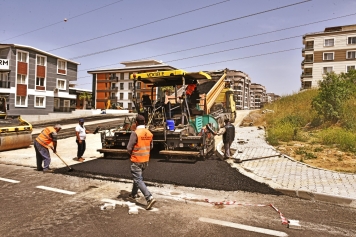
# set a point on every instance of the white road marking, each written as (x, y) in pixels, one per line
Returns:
(56, 190)
(9, 180)
(244, 227)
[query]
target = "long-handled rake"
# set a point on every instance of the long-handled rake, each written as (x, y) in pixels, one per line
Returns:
(70, 169)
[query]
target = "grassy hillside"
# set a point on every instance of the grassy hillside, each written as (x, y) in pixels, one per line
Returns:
(316, 126)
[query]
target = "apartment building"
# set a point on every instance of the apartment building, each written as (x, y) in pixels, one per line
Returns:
(240, 83)
(332, 50)
(113, 87)
(272, 97)
(35, 82)
(258, 96)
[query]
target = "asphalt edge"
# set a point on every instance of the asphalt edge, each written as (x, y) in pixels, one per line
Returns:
(296, 193)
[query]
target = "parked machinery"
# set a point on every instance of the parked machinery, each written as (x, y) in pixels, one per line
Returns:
(181, 127)
(14, 131)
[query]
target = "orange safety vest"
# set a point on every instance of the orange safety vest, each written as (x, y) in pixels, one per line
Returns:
(141, 150)
(44, 138)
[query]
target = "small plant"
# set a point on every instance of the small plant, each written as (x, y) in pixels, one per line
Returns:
(310, 155)
(318, 149)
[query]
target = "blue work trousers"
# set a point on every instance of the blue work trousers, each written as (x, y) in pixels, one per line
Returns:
(42, 155)
(136, 171)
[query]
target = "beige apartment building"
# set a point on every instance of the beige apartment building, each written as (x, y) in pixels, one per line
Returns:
(258, 96)
(240, 83)
(332, 50)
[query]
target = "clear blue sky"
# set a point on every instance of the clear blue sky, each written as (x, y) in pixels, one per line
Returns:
(279, 72)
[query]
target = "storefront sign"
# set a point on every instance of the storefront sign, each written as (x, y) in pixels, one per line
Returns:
(4, 64)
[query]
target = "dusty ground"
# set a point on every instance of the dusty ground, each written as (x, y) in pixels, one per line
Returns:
(317, 155)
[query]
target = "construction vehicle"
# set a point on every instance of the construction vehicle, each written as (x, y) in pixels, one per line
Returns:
(14, 131)
(179, 129)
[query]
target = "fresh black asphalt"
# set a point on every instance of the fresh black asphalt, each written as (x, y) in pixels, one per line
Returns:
(210, 174)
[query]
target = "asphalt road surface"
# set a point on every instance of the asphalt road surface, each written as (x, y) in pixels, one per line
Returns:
(211, 174)
(37, 204)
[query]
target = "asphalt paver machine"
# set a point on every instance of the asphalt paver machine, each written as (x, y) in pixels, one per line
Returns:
(179, 129)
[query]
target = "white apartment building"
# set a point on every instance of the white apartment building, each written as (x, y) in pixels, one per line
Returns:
(334, 49)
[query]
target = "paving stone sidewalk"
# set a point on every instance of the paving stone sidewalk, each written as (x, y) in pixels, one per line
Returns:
(285, 174)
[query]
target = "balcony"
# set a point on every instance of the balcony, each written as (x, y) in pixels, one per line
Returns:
(307, 48)
(109, 79)
(108, 89)
(306, 75)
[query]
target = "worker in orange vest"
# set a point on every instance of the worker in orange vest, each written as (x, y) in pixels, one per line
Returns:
(46, 139)
(139, 147)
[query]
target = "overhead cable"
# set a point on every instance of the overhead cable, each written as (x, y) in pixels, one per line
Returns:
(186, 31)
(58, 22)
(138, 26)
(227, 41)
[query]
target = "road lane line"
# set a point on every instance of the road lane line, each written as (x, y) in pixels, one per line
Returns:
(9, 180)
(244, 227)
(56, 190)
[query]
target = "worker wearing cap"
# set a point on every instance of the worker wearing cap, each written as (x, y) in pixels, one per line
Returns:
(46, 139)
(139, 147)
(228, 133)
(81, 134)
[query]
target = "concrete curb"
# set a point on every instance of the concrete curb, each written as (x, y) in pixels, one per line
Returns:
(296, 193)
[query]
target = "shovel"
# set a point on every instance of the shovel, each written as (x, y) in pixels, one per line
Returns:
(70, 169)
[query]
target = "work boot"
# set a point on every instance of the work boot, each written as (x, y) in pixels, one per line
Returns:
(150, 203)
(80, 159)
(136, 196)
(48, 171)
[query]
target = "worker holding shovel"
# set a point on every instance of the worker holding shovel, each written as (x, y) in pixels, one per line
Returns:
(46, 139)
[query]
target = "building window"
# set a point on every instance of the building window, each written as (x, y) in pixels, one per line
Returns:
(21, 79)
(138, 95)
(40, 101)
(350, 67)
(130, 96)
(328, 56)
(62, 67)
(130, 85)
(4, 80)
(309, 45)
(61, 84)
(40, 81)
(41, 60)
(126, 76)
(22, 56)
(351, 40)
(309, 58)
(138, 85)
(351, 55)
(21, 100)
(327, 70)
(121, 96)
(121, 86)
(329, 42)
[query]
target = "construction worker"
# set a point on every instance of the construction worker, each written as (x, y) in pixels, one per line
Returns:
(46, 139)
(139, 147)
(81, 134)
(228, 132)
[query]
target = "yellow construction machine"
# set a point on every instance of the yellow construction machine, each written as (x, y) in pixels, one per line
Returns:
(14, 131)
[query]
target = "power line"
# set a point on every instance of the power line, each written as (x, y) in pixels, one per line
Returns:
(135, 27)
(227, 41)
(225, 50)
(253, 56)
(58, 22)
(186, 31)
(235, 59)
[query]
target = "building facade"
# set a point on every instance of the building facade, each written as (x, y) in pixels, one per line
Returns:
(258, 96)
(333, 50)
(112, 88)
(35, 82)
(240, 83)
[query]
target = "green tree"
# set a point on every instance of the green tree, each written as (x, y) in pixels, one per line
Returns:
(333, 91)
(85, 96)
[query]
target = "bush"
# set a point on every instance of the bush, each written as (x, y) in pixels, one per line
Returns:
(343, 139)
